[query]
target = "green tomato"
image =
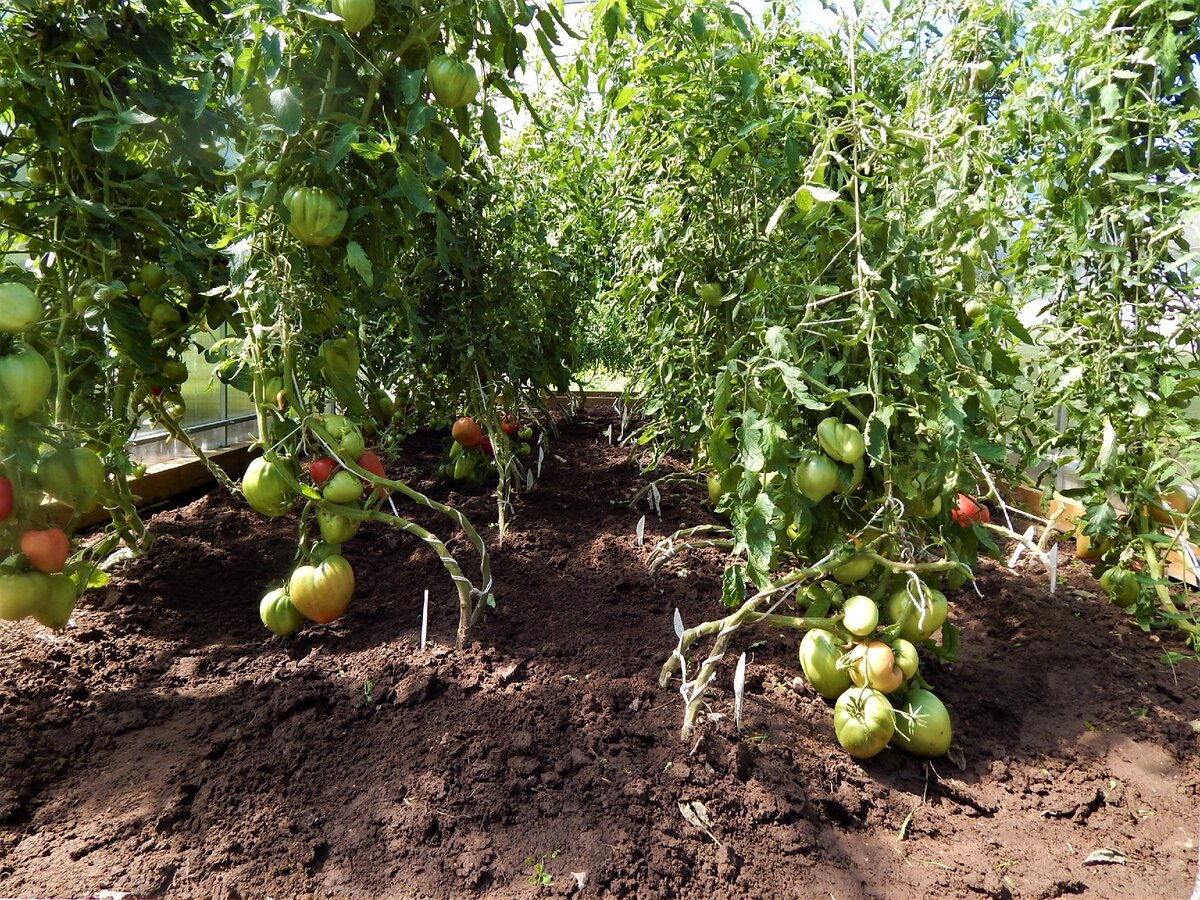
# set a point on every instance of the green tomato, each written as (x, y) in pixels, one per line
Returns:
(861, 615)
(21, 593)
(164, 314)
(19, 308)
(59, 602)
(152, 275)
(710, 294)
(266, 488)
(25, 380)
(1121, 585)
(278, 612)
(342, 488)
(175, 370)
(382, 406)
(74, 476)
(343, 435)
(464, 468)
(525, 433)
(923, 725)
(336, 528)
(315, 216)
(841, 442)
(815, 477)
(856, 568)
(906, 658)
(322, 592)
(975, 309)
(919, 609)
(864, 721)
(356, 14)
(819, 655)
(453, 82)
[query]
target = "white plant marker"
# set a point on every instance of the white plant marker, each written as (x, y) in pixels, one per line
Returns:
(641, 531)
(541, 456)
(425, 619)
(678, 624)
(1029, 533)
(656, 499)
(739, 690)
(610, 435)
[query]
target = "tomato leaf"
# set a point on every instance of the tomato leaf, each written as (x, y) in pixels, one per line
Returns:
(491, 130)
(733, 585)
(285, 106)
(356, 259)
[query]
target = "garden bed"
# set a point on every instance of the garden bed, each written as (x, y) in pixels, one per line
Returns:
(167, 745)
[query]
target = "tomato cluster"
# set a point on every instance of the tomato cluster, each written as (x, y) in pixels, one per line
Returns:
(872, 672)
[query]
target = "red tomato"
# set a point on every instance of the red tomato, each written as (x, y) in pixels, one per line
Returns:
(467, 432)
(6, 497)
(372, 464)
(486, 446)
(47, 551)
(966, 511)
(321, 468)
(509, 425)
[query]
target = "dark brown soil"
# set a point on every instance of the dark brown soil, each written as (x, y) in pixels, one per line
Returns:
(168, 746)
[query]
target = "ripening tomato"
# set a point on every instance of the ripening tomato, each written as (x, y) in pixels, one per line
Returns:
(966, 511)
(509, 425)
(6, 497)
(321, 468)
(466, 432)
(874, 666)
(47, 550)
(322, 592)
(370, 461)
